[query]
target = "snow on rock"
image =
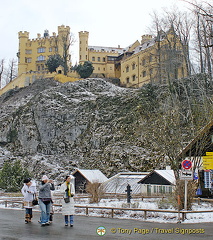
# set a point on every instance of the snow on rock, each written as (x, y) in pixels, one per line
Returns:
(88, 124)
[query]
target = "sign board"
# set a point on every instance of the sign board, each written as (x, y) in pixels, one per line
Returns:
(207, 179)
(207, 162)
(187, 164)
(186, 175)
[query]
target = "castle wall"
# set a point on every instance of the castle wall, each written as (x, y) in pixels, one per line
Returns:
(25, 79)
(102, 65)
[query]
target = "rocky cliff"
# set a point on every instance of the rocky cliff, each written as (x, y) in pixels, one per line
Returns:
(88, 124)
(54, 128)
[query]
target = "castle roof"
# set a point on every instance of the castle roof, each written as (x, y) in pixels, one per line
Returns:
(144, 46)
(106, 49)
(151, 42)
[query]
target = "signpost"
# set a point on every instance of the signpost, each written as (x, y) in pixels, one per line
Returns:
(186, 174)
(187, 164)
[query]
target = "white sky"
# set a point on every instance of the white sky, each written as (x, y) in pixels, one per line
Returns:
(109, 22)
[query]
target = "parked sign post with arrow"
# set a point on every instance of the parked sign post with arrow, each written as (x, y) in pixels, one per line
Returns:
(186, 174)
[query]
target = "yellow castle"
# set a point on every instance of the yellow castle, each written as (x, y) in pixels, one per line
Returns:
(33, 53)
(154, 59)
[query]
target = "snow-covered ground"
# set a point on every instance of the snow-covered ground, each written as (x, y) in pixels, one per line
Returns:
(151, 216)
(148, 203)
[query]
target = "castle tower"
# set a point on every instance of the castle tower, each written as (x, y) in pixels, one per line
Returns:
(23, 38)
(83, 46)
(64, 39)
(145, 38)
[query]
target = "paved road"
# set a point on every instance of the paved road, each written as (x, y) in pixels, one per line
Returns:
(12, 227)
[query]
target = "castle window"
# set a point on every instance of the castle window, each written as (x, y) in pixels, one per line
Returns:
(127, 80)
(29, 60)
(127, 68)
(98, 69)
(28, 51)
(93, 58)
(50, 49)
(41, 50)
(99, 59)
(143, 62)
(144, 73)
(133, 66)
(133, 78)
(104, 59)
(56, 49)
(86, 57)
(38, 68)
(41, 58)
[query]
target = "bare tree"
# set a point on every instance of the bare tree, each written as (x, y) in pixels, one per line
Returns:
(172, 51)
(157, 26)
(11, 71)
(204, 34)
(184, 108)
(66, 41)
(182, 24)
(96, 191)
(1, 70)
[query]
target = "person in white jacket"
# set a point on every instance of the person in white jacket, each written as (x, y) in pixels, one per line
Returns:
(68, 190)
(28, 191)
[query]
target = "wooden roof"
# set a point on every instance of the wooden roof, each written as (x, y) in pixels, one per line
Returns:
(201, 144)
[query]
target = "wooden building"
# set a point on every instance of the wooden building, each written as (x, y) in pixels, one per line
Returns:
(85, 176)
(158, 182)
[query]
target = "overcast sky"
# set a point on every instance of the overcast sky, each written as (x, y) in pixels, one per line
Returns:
(109, 22)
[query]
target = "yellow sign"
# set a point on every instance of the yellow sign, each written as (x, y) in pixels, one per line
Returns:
(208, 161)
(209, 153)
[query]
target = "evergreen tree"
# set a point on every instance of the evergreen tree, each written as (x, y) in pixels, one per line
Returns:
(53, 62)
(85, 70)
(12, 175)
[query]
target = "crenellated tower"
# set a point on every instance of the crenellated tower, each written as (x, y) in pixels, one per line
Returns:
(83, 46)
(145, 38)
(64, 39)
(23, 38)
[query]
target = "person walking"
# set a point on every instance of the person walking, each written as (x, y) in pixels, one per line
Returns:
(45, 199)
(29, 193)
(68, 190)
